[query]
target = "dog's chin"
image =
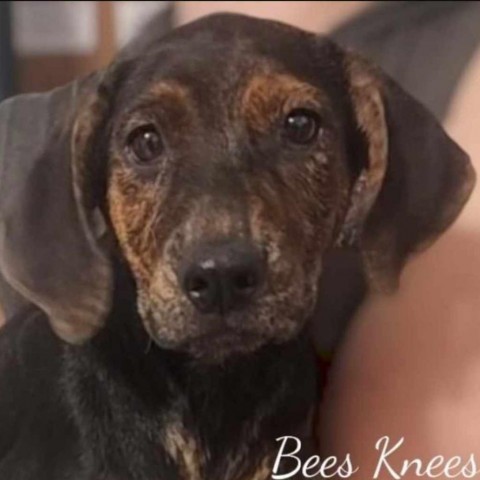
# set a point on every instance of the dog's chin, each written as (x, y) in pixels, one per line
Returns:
(217, 347)
(212, 338)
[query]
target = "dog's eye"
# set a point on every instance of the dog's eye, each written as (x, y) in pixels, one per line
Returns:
(146, 144)
(301, 126)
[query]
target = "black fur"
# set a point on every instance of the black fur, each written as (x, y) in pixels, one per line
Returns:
(105, 410)
(97, 411)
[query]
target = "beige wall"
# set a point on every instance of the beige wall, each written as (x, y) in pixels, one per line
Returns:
(315, 16)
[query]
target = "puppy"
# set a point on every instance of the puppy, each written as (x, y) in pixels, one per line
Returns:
(164, 228)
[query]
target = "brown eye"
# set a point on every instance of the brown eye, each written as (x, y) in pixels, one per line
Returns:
(146, 144)
(301, 126)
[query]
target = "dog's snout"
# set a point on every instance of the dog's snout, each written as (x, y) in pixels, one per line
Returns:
(224, 277)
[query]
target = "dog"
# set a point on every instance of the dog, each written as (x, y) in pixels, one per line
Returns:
(165, 230)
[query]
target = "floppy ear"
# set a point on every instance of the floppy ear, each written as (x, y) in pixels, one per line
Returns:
(52, 233)
(415, 179)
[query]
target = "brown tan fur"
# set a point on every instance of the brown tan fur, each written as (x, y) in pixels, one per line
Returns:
(366, 92)
(270, 95)
(186, 451)
(186, 159)
(155, 228)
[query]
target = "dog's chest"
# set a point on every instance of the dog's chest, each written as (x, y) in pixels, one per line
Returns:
(185, 450)
(192, 457)
(170, 424)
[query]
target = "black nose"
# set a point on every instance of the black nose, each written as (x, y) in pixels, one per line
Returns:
(223, 277)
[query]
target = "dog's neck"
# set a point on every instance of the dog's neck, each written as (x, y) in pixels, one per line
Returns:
(144, 409)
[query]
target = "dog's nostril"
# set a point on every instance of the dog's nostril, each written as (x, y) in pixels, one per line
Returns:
(202, 288)
(223, 277)
(244, 280)
(197, 286)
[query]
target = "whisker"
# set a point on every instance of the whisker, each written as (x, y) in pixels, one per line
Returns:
(149, 346)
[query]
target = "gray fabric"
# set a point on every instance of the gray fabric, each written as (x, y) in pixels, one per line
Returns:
(424, 46)
(7, 70)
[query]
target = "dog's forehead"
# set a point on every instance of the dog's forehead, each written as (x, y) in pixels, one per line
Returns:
(221, 53)
(224, 39)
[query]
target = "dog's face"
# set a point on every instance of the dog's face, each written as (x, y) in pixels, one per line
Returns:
(228, 176)
(226, 157)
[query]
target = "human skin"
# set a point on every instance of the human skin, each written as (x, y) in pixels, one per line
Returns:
(410, 365)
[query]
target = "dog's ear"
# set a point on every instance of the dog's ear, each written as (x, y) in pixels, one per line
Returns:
(414, 180)
(52, 233)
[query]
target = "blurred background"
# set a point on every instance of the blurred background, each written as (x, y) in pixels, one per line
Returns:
(410, 364)
(44, 44)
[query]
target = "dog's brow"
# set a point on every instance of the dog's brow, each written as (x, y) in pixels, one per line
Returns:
(266, 94)
(165, 90)
(170, 88)
(280, 82)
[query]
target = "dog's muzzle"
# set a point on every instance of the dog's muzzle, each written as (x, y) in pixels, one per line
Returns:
(222, 277)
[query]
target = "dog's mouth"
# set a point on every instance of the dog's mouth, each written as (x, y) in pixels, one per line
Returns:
(221, 343)
(270, 318)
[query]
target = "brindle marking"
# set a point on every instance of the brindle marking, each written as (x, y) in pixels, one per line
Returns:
(229, 191)
(269, 96)
(166, 391)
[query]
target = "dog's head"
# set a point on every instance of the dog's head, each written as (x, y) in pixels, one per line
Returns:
(224, 159)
